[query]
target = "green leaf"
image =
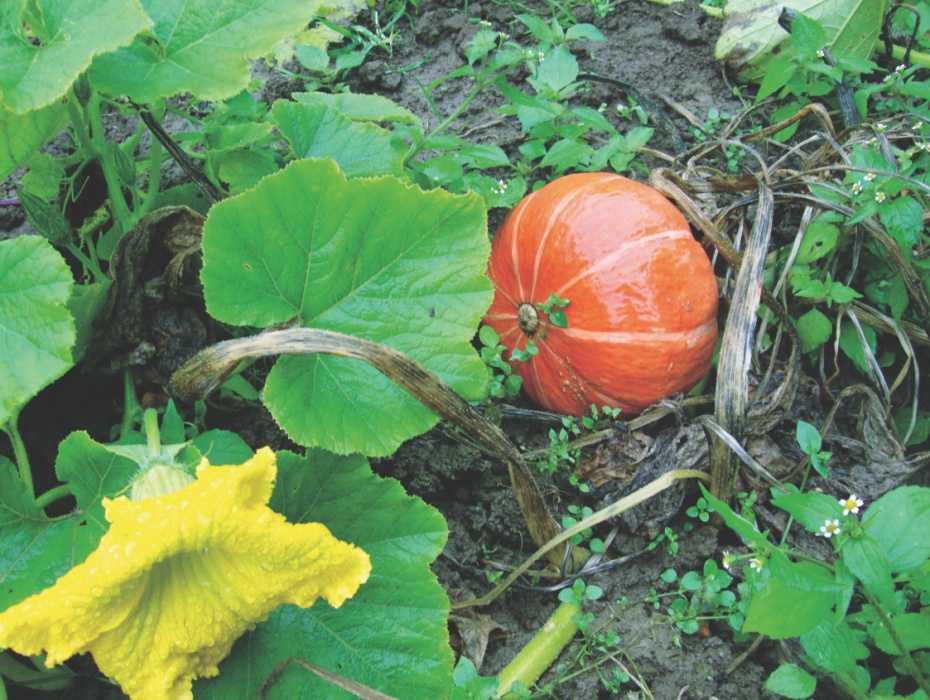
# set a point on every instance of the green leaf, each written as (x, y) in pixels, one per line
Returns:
(85, 304)
(74, 32)
(913, 630)
(751, 39)
(582, 30)
(851, 344)
(369, 258)
(364, 108)
(735, 522)
(781, 611)
(36, 328)
(776, 77)
(791, 681)
(808, 438)
(807, 34)
(815, 329)
(319, 131)
(538, 27)
(200, 46)
(565, 154)
(222, 447)
(392, 635)
(36, 550)
(899, 522)
(242, 169)
(557, 71)
(819, 239)
(484, 156)
(903, 217)
(866, 559)
(21, 135)
(834, 649)
(811, 509)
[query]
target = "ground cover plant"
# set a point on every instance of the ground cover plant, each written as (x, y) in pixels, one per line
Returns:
(300, 244)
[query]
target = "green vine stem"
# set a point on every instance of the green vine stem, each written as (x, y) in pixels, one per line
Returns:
(541, 651)
(11, 428)
(131, 407)
(53, 494)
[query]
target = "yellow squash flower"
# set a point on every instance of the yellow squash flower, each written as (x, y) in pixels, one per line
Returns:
(179, 577)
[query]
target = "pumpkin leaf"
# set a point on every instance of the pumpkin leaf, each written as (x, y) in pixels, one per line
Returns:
(199, 46)
(752, 41)
(69, 33)
(390, 636)
(21, 135)
(36, 328)
(360, 108)
(320, 131)
(373, 258)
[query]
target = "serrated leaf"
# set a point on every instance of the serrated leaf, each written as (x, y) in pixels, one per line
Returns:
(201, 47)
(365, 108)
(36, 328)
(320, 131)
(791, 681)
(566, 154)
(913, 630)
(781, 611)
(899, 521)
(834, 648)
(751, 39)
(811, 509)
(815, 329)
(557, 71)
(21, 135)
(392, 635)
(866, 559)
(903, 217)
(73, 32)
(366, 257)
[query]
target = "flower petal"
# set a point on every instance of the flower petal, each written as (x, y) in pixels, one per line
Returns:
(177, 579)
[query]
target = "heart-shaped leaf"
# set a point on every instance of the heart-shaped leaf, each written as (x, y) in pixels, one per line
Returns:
(373, 258)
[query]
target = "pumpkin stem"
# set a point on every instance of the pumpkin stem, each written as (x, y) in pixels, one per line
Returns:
(528, 318)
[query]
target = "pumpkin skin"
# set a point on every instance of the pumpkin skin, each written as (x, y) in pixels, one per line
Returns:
(642, 317)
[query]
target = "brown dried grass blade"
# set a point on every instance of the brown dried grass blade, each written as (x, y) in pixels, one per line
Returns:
(736, 349)
(209, 368)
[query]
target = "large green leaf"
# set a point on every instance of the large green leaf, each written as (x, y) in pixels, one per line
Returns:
(392, 634)
(201, 47)
(36, 328)
(751, 38)
(21, 135)
(320, 131)
(373, 258)
(899, 521)
(69, 33)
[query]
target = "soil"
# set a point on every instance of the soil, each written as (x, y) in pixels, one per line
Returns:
(667, 53)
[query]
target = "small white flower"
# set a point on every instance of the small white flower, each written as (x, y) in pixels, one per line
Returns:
(727, 560)
(886, 79)
(832, 527)
(501, 186)
(851, 504)
(541, 55)
(922, 146)
(880, 197)
(880, 127)
(870, 176)
(503, 35)
(756, 563)
(820, 53)
(857, 187)
(900, 68)
(485, 23)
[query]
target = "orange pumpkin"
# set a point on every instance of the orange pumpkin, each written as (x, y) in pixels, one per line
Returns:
(642, 312)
